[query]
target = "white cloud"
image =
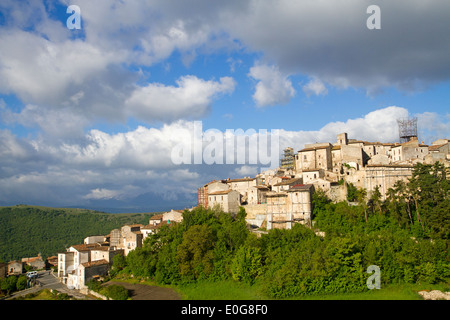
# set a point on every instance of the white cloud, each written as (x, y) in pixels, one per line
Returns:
(432, 126)
(41, 71)
(272, 88)
(123, 166)
(330, 40)
(379, 125)
(101, 193)
(56, 124)
(246, 171)
(316, 87)
(191, 98)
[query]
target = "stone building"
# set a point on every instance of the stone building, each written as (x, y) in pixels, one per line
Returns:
(257, 194)
(313, 157)
(131, 238)
(439, 151)
(69, 261)
(105, 253)
(285, 184)
(243, 186)
(127, 238)
(228, 200)
(94, 239)
(80, 262)
(213, 186)
(285, 208)
(173, 216)
(15, 267)
(36, 263)
(115, 238)
(90, 270)
(411, 151)
(385, 176)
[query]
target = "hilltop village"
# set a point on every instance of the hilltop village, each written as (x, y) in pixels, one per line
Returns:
(275, 198)
(280, 197)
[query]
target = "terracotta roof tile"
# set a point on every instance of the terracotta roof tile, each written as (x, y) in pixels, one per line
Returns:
(94, 263)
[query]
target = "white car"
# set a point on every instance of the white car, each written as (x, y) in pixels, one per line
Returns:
(32, 274)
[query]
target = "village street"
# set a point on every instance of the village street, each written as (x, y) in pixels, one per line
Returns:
(49, 281)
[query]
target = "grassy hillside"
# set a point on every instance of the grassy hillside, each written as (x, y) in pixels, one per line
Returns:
(27, 230)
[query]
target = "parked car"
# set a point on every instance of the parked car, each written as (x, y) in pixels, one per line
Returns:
(32, 274)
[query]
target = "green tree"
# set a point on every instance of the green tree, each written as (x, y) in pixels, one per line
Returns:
(375, 200)
(429, 189)
(247, 264)
(319, 202)
(195, 254)
(119, 261)
(362, 201)
(352, 192)
(21, 283)
(8, 284)
(116, 292)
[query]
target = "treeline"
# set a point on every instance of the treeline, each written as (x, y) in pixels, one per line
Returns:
(27, 230)
(212, 245)
(421, 206)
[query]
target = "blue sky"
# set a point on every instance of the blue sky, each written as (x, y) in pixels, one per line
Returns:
(89, 117)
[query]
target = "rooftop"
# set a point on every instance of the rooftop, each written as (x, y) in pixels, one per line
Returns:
(94, 263)
(240, 180)
(220, 192)
(287, 182)
(301, 187)
(85, 247)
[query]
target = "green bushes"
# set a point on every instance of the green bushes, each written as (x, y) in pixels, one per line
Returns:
(211, 245)
(247, 264)
(13, 283)
(113, 291)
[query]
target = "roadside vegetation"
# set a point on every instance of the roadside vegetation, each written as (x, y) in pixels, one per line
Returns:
(45, 294)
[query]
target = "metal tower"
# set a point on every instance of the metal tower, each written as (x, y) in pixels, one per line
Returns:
(407, 129)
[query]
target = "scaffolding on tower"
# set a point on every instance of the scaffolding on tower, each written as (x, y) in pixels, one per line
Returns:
(407, 129)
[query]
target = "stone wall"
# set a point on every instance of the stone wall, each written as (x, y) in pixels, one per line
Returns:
(253, 210)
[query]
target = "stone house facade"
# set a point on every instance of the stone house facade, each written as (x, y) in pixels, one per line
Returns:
(288, 207)
(228, 200)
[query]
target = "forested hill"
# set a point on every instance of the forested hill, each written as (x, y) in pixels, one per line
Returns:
(27, 230)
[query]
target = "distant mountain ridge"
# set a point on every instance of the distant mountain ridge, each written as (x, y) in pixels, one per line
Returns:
(27, 230)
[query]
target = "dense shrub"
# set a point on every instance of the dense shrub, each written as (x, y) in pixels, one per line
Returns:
(116, 292)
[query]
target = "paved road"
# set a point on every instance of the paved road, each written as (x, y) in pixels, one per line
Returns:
(49, 281)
